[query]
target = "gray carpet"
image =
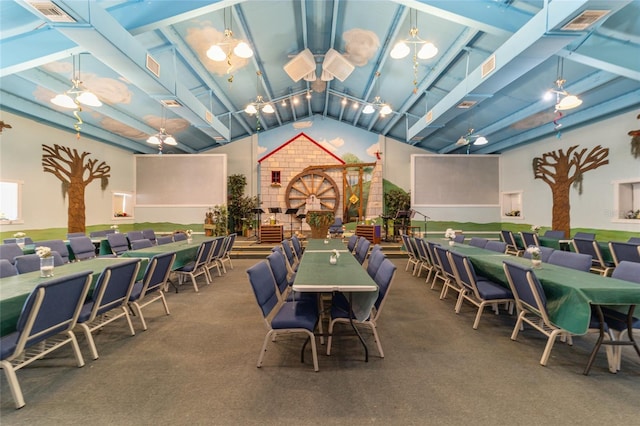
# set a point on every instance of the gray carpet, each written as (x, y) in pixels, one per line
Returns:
(198, 366)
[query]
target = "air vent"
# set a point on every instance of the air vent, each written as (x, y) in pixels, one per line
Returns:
(429, 117)
(171, 103)
(585, 20)
(51, 11)
(153, 66)
(488, 66)
(466, 104)
(208, 116)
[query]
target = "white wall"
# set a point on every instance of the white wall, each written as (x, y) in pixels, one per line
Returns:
(595, 207)
(43, 205)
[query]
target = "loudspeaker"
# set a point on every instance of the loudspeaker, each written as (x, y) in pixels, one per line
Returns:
(301, 65)
(336, 64)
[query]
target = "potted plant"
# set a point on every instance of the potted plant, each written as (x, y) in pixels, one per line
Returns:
(319, 221)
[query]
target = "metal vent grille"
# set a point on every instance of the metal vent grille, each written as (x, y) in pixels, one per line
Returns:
(585, 20)
(153, 66)
(488, 66)
(466, 104)
(171, 103)
(51, 11)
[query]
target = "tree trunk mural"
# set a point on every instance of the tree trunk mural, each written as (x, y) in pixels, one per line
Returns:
(75, 171)
(559, 171)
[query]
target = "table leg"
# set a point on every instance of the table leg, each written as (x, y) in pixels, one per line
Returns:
(600, 341)
(351, 315)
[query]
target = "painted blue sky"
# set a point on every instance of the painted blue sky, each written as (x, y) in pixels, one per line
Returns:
(336, 137)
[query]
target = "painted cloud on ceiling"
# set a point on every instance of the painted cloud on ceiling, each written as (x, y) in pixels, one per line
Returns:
(360, 46)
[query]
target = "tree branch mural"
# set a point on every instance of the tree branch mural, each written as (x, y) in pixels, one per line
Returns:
(75, 171)
(560, 170)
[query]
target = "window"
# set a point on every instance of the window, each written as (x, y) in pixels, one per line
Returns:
(122, 204)
(10, 201)
(275, 177)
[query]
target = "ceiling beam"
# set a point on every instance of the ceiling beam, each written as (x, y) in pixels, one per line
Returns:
(452, 53)
(522, 52)
(106, 40)
(587, 116)
(54, 119)
(591, 82)
(200, 71)
(621, 70)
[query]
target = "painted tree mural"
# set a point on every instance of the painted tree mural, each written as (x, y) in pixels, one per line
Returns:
(75, 171)
(560, 170)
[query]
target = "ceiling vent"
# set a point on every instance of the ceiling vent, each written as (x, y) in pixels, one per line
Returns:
(488, 66)
(170, 103)
(301, 65)
(466, 104)
(336, 65)
(585, 20)
(50, 11)
(208, 116)
(429, 117)
(153, 66)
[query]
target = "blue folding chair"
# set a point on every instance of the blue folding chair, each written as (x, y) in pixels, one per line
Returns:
(45, 324)
(341, 310)
(152, 286)
(82, 248)
(108, 301)
(282, 317)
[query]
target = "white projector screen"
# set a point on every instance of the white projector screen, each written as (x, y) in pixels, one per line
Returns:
(455, 180)
(187, 180)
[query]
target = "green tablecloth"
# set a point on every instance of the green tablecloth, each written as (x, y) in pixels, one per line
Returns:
(569, 292)
(332, 243)
(185, 252)
(15, 290)
(316, 274)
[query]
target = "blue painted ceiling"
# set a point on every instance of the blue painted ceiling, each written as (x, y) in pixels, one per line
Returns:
(109, 43)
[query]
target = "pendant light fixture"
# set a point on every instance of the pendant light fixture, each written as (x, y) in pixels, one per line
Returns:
(162, 137)
(223, 50)
(422, 49)
(77, 94)
(564, 100)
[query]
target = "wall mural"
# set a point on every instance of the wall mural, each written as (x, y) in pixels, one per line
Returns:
(560, 170)
(75, 171)
(352, 145)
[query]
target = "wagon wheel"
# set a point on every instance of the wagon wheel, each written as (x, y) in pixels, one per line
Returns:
(312, 182)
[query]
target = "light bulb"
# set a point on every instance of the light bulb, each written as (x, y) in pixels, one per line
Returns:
(64, 101)
(400, 50)
(481, 141)
(548, 95)
(154, 140)
(243, 50)
(250, 109)
(386, 109)
(268, 109)
(368, 110)
(89, 99)
(569, 102)
(170, 140)
(428, 51)
(215, 53)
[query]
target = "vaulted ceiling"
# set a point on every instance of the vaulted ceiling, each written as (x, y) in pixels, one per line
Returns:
(495, 60)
